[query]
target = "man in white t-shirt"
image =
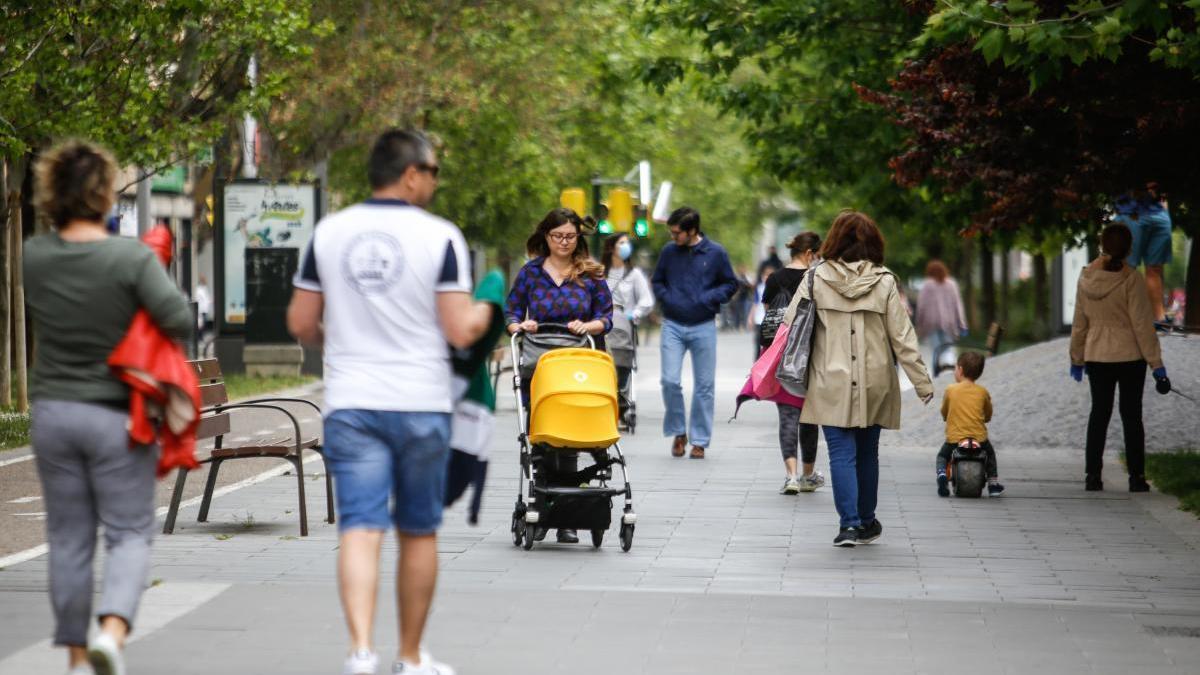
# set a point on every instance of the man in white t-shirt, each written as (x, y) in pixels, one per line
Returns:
(383, 287)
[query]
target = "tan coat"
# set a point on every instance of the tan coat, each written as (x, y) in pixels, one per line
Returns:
(861, 323)
(1113, 321)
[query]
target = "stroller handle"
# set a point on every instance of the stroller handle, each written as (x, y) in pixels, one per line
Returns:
(561, 327)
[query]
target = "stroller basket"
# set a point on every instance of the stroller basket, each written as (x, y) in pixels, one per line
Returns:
(573, 401)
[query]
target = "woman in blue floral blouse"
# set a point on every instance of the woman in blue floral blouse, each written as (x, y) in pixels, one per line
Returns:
(562, 285)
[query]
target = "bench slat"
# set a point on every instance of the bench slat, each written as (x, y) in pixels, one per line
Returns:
(207, 369)
(213, 394)
(211, 426)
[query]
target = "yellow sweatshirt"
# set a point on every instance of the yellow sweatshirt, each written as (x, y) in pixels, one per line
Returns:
(967, 408)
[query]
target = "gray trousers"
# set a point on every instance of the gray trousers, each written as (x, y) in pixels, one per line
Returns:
(792, 431)
(90, 476)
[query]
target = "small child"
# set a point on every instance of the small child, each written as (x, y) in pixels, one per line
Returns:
(967, 408)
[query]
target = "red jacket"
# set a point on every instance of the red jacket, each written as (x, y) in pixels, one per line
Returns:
(162, 384)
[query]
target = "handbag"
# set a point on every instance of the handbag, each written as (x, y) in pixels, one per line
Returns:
(774, 316)
(792, 371)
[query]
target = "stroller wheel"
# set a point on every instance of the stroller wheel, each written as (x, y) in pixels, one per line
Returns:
(597, 537)
(626, 537)
(529, 536)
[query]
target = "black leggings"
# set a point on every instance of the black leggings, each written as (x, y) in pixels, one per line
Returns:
(792, 430)
(1104, 380)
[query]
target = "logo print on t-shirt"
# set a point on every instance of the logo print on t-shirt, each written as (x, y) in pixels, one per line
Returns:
(372, 262)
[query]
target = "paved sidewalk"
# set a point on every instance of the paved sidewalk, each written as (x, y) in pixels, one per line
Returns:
(725, 575)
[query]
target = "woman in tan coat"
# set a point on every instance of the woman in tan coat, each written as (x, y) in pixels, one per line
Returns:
(1113, 339)
(862, 331)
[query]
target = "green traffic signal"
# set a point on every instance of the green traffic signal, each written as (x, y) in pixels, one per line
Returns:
(604, 227)
(641, 228)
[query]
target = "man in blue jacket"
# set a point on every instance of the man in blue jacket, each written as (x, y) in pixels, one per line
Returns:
(692, 280)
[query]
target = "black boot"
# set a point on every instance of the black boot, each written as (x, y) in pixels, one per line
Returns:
(1138, 484)
(567, 536)
(1093, 483)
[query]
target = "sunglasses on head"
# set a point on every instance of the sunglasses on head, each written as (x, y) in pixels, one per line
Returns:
(431, 169)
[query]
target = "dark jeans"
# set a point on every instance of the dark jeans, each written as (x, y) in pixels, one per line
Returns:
(943, 458)
(1104, 380)
(791, 431)
(854, 469)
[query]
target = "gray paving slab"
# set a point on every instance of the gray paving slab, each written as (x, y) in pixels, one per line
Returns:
(725, 574)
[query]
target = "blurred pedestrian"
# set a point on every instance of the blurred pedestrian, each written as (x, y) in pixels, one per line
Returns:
(383, 287)
(772, 261)
(1112, 341)
(204, 306)
(83, 287)
(853, 388)
(940, 316)
(758, 310)
(780, 288)
(692, 280)
(1146, 214)
(632, 301)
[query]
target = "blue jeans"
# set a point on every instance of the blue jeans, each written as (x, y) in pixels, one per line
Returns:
(701, 341)
(854, 471)
(378, 456)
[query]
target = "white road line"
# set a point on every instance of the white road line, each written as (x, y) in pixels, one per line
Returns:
(160, 606)
(16, 460)
(24, 500)
(30, 554)
(33, 514)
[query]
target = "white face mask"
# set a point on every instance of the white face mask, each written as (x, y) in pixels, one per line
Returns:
(625, 250)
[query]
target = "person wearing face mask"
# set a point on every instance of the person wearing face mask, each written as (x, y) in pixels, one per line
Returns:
(632, 301)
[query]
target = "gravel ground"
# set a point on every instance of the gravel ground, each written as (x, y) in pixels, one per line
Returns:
(1038, 405)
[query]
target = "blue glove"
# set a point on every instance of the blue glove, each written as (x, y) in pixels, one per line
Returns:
(1077, 373)
(1162, 384)
(964, 332)
(1160, 372)
(631, 316)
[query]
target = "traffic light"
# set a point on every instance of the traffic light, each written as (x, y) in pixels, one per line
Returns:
(603, 224)
(574, 199)
(641, 221)
(620, 209)
(208, 212)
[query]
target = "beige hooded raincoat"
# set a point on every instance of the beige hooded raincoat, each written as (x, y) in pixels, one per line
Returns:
(862, 331)
(1113, 320)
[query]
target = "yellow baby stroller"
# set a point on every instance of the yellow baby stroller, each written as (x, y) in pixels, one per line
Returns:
(572, 408)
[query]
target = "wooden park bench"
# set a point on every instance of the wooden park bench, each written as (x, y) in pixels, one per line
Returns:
(215, 424)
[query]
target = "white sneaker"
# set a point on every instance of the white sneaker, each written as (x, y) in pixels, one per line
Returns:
(811, 482)
(361, 662)
(81, 670)
(105, 655)
(790, 486)
(427, 667)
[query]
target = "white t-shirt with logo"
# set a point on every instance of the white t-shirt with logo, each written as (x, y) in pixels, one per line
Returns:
(380, 266)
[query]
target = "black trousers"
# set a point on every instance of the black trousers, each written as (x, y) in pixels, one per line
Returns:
(1105, 379)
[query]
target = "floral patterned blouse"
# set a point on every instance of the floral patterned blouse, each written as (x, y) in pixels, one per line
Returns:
(536, 296)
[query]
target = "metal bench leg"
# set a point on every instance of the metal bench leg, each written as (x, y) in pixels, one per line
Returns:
(298, 462)
(208, 490)
(176, 497)
(328, 492)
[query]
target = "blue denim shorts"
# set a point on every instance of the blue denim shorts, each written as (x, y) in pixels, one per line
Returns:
(1151, 238)
(379, 456)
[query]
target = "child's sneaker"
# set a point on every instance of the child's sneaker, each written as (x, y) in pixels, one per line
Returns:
(943, 485)
(361, 662)
(791, 486)
(427, 667)
(811, 482)
(994, 489)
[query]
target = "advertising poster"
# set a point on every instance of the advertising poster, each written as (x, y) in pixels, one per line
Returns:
(261, 216)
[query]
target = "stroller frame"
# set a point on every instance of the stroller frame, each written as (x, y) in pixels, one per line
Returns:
(629, 419)
(536, 502)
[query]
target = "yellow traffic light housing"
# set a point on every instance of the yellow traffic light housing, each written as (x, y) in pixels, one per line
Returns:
(574, 199)
(620, 209)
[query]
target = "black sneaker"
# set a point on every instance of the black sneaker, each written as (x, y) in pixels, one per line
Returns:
(1138, 484)
(847, 537)
(994, 489)
(567, 536)
(1093, 483)
(869, 533)
(943, 485)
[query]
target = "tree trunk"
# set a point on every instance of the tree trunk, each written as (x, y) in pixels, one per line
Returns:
(987, 286)
(13, 170)
(16, 243)
(966, 276)
(1041, 298)
(1191, 312)
(1005, 272)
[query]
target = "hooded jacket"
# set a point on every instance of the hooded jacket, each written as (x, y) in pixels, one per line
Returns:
(862, 330)
(1113, 321)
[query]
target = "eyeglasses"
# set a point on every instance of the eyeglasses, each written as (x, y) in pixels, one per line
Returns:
(431, 169)
(564, 238)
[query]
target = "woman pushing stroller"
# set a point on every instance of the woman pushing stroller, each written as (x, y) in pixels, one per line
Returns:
(560, 285)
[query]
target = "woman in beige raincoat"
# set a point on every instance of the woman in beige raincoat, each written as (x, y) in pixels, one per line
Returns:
(862, 331)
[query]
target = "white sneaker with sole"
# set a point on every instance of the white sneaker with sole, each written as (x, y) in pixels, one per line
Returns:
(790, 486)
(361, 662)
(427, 667)
(105, 656)
(811, 482)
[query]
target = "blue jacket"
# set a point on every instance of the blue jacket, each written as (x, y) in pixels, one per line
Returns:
(692, 282)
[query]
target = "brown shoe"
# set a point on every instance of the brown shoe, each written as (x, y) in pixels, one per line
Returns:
(697, 452)
(678, 446)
